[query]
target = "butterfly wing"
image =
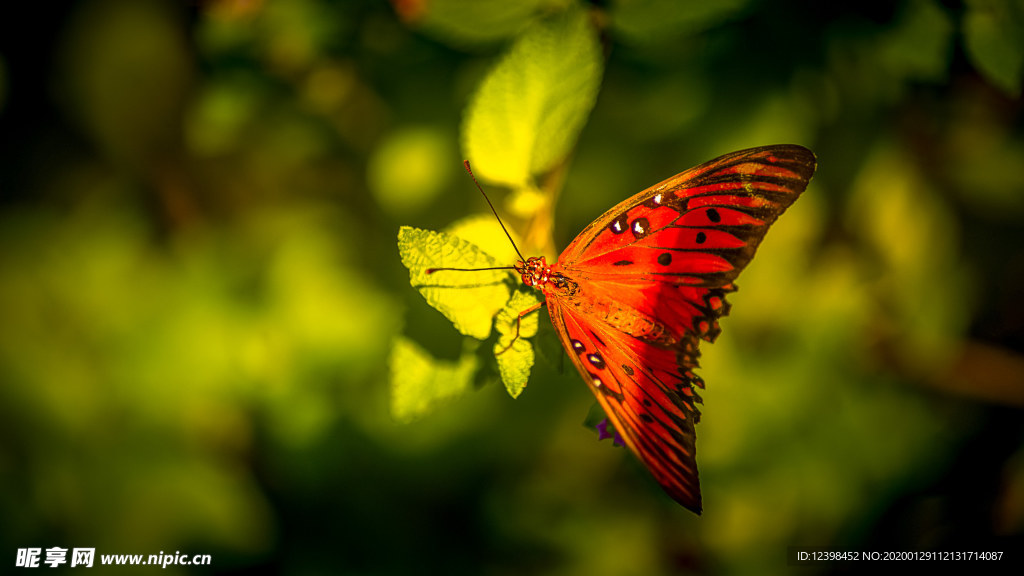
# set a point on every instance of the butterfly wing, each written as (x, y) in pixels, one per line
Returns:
(650, 278)
(715, 215)
(628, 376)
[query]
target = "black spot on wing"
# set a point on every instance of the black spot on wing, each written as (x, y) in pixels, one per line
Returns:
(640, 227)
(618, 226)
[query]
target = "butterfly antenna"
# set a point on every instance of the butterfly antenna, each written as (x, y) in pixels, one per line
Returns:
(495, 212)
(502, 224)
(432, 270)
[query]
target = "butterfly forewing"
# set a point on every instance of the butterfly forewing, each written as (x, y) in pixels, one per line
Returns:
(721, 208)
(649, 280)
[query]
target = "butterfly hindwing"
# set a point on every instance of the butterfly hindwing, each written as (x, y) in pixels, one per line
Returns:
(644, 396)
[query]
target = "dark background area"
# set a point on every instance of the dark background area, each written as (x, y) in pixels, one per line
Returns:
(199, 288)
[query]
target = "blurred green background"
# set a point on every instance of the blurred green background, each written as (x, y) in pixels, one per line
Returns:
(200, 287)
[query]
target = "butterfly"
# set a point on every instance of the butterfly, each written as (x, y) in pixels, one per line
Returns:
(633, 295)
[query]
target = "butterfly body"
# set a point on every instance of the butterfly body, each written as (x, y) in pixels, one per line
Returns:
(633, 294)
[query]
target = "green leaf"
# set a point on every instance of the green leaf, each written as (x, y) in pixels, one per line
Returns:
(515, 361)
(420, 382)
(469, 300)
(993, 32)
(653, 20)
(470, 22)
(919, 44)
(525, 116)
(486, 233)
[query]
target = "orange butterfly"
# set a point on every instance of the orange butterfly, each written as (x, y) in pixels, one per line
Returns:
(635, 292)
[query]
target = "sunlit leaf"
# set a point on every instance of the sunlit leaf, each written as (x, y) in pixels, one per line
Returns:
(527, 201)
(469, 299)
(484, 231)
(420, 382)
(514, 352)
(525, 116)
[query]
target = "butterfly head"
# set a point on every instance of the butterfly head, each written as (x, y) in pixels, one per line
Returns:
(536, 272)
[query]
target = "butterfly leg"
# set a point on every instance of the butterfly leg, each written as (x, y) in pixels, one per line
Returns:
(519, 321)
